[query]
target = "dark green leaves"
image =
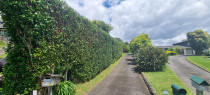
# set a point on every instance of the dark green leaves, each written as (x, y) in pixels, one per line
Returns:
(151, 59)
(48, 37)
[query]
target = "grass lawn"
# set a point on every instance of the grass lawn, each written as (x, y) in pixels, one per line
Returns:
(3, 55)
(2, 44)
(83, 88)
(162, 81)
(202, 61)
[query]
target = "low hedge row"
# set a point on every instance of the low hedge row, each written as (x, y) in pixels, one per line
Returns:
(49, 37)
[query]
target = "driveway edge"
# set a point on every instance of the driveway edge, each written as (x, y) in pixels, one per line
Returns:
(151, 90)
(197, 65)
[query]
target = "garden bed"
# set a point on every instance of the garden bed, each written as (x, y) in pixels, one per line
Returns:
(162, 81)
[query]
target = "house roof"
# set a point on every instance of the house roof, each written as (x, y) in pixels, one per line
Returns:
(171, 47)
(183, 41)
(164, 46)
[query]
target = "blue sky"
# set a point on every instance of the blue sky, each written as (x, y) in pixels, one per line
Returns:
(166, 21)
(109, 3)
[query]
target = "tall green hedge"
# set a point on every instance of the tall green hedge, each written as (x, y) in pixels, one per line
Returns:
(49, 37)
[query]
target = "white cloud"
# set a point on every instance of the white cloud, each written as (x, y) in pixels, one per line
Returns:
(166, 21)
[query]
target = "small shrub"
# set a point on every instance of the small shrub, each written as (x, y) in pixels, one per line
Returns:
(177, 50)
(171, 49)
(126, 48)
(207, 53)
(151, 59)
(171, 53)
(64, 88)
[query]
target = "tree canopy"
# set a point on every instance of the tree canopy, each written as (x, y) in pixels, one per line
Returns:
(198, 40)
(142, 40)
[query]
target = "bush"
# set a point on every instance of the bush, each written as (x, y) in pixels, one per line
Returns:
(151, 59)
(171, 53)
(126, 48)
(171, 49)
(64, 88)
(207, 53)
(177, 50)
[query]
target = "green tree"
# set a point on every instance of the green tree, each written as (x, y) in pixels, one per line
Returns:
(199, 41)
(126, 48)
(142, 40)
(126, 43)
(119, 39)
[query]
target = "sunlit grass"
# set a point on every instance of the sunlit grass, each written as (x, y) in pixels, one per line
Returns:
(3, 55)
(83, 88)
(202, 61)
(2, 44)
(162, 81)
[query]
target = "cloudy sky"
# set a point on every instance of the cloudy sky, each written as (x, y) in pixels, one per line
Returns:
(166, 21)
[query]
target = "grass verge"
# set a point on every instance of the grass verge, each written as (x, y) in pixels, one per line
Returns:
(2, 44)
(202, 61)
(83, 88)
(3, 55)
(162, 81)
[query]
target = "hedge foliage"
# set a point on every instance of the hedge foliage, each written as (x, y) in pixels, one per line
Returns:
(49, 37)
(151, 59)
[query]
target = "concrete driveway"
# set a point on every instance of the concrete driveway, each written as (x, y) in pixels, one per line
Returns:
(123, 80)
(2, 51)
(185, 70)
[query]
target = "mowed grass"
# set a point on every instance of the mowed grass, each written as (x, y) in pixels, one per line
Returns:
(3, 55)
(202, 61)
(83, 88)
(2, 44)
(162, 81)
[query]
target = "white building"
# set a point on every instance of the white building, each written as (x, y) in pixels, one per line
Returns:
(3, 32)
(2, 29)
(184, 45)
